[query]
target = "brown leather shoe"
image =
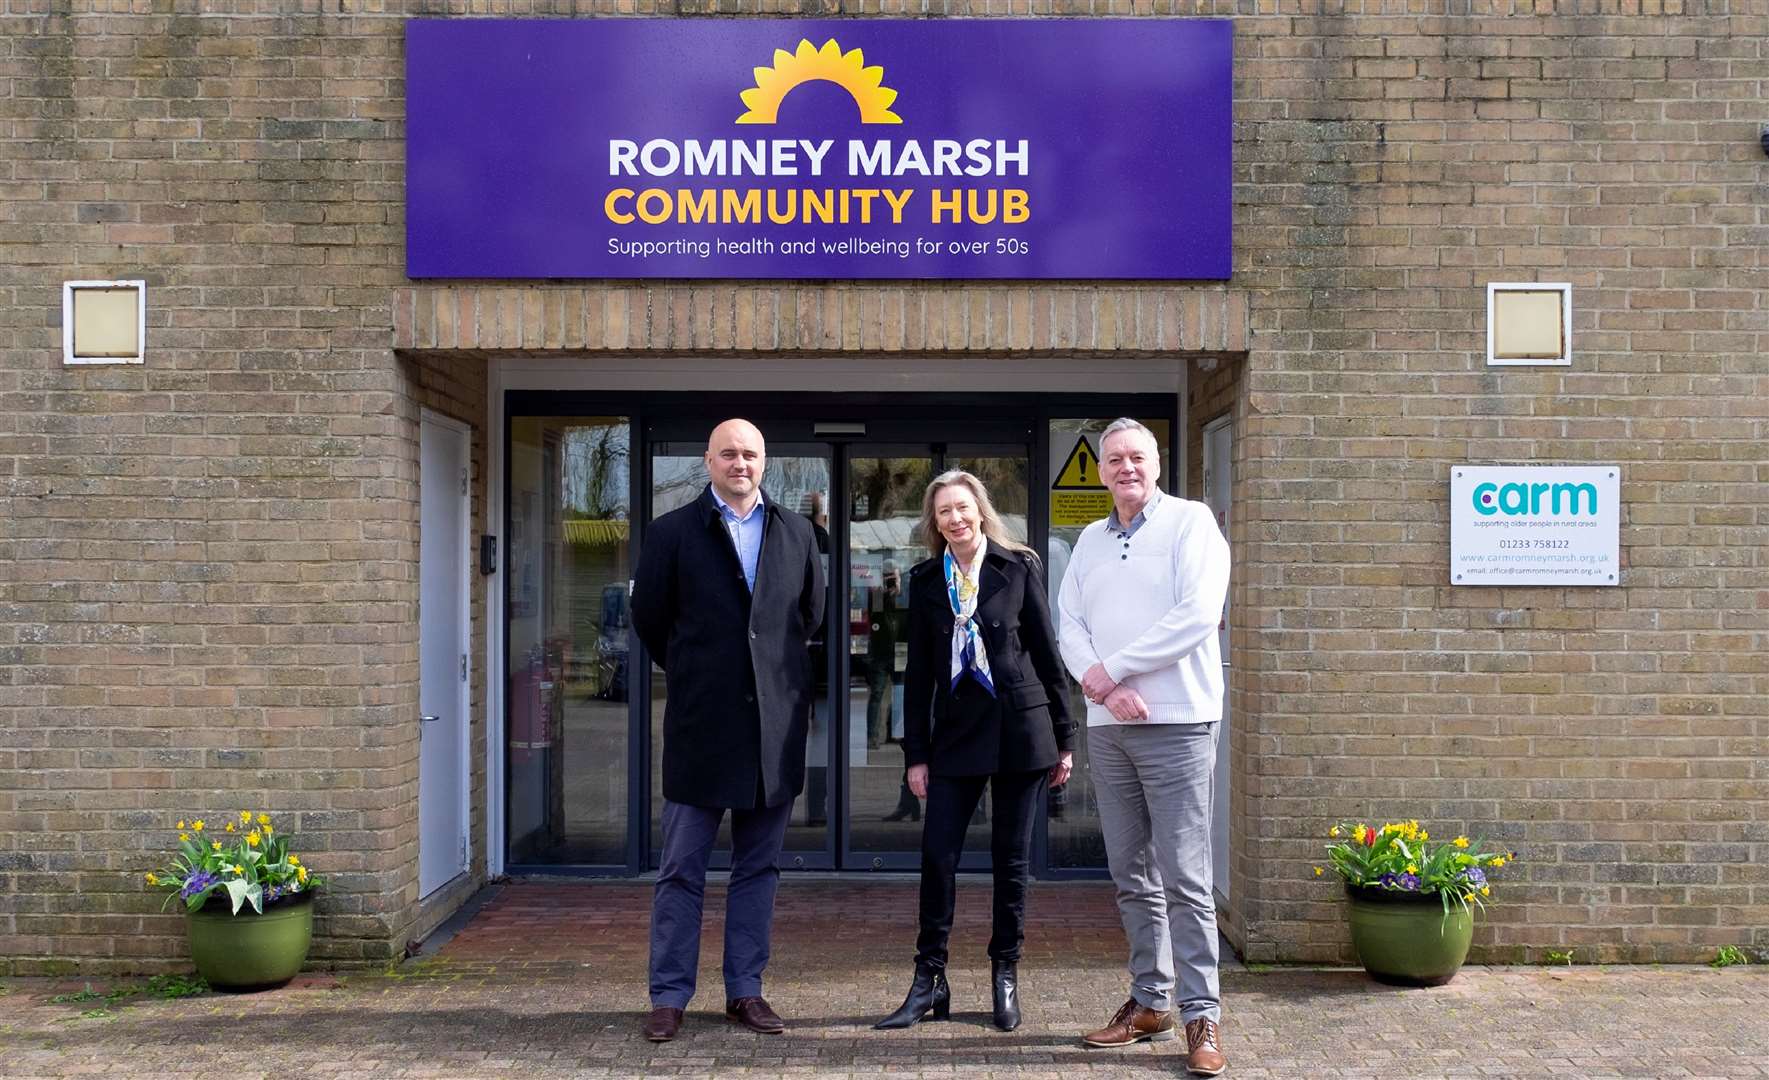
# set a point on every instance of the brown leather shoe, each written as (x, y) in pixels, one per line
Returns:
(1133, 1023)
(1203, 1050)
(754, 1014)
(663, 1023)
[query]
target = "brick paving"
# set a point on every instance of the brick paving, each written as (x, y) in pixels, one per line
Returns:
(548, 980)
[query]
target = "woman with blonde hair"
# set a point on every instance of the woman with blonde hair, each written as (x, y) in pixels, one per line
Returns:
(985, 704)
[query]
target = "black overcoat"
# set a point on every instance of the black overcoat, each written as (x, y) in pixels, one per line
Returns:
(967, 734)
(737, 667)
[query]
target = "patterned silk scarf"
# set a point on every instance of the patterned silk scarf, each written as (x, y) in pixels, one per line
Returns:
(967, 636)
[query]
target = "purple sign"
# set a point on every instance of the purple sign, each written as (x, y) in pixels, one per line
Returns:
(854, 148)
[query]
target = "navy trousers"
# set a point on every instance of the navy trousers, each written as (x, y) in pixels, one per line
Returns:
(676, 905)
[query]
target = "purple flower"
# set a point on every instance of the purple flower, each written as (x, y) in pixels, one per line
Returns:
(1475, 876)
(197, 882)
(1409, 882)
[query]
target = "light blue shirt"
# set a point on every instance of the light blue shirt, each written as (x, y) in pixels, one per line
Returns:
(1125, 532)
(746, 535)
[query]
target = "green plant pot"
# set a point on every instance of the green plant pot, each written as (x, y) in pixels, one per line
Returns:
(249, 951)
(1405, 938)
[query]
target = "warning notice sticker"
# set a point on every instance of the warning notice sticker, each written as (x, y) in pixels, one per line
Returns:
(1077, 497)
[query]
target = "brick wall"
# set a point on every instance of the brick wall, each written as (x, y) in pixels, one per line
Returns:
(207, 566)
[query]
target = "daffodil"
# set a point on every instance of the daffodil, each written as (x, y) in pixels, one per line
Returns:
(152, 879)
(1486, 890)
(1318, 871)
(268, 830)
(184, 836)
(196, 826)
(1498, 860)
(301, 874)
(214, 845)
(1460, 841)
(1334, 831)
(1411, 869)
(238, 869)
(294, 860)
(263, 819)
(181, 824)
(230, 826)
(253, 838)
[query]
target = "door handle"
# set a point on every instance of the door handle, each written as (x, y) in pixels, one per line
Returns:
(429, 719)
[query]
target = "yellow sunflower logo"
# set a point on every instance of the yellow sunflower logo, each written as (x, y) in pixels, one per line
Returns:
(808, 63)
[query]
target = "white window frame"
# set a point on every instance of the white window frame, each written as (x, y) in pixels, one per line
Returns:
(1493, 288)
(67, 322)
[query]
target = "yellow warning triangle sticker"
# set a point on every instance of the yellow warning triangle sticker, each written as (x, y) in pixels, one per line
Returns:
(1081, 471)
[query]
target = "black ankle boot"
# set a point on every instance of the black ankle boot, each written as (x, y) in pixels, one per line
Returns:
(928, 993)
(1007, 994)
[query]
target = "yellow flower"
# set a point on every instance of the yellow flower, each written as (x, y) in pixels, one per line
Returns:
(1334, 831)
(230, 826)
(1317, 871)
(215, 845)
(238, 869)
(1411, 869)
(294, 860)
(196, 826)
(263, 819)
(1423, 835)
(181, 824)
(1486, 890)
(253, 838)
(1498, 860)
(1460, 841)
(301, 874)
(245, 817)
(184, 836)
(268, 830)
(152, 879)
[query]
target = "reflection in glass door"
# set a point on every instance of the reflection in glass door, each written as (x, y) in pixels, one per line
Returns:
(885, 488)
(884, 491)
(568, 563)
(797, 478)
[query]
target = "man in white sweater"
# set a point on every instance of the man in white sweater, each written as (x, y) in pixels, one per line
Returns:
(1140, 606)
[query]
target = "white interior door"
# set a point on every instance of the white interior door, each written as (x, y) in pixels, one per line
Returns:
(442, 651)
(1218, 480)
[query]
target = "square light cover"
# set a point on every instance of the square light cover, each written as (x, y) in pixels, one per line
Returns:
(103, 322)
(1528, 323)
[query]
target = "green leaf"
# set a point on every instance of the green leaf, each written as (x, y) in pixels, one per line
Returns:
(241, 891)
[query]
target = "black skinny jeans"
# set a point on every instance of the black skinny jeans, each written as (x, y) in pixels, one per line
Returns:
(951, 800)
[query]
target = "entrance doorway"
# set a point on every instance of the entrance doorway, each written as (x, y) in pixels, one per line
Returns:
(587, 472)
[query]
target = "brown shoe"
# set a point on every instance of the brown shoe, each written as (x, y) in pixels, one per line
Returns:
(754, 1014)
(663, 1023)
(1133, 1023)
(1203, 1051)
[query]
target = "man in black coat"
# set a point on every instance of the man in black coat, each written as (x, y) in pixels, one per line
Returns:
(727, 596)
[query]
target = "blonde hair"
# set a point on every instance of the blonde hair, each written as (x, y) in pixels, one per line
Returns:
(991, 521)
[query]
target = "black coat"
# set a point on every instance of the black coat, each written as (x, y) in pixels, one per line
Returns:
(738, 668)
(1027, 723)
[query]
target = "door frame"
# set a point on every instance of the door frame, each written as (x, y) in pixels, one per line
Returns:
(463, 434)
(788, 416)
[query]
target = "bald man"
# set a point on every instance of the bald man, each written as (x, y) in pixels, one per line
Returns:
(727, 597)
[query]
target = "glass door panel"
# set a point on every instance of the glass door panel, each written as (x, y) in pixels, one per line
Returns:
(884, 492)
(1078, 499)
(798, 480)
(569, 559)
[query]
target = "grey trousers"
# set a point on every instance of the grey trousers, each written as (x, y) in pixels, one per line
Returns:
(688, 836)
(1154, 783)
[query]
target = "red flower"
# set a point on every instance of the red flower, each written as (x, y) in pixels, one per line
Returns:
(1369, 837)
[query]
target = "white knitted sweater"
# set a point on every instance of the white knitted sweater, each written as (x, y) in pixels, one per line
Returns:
(1149, 608)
